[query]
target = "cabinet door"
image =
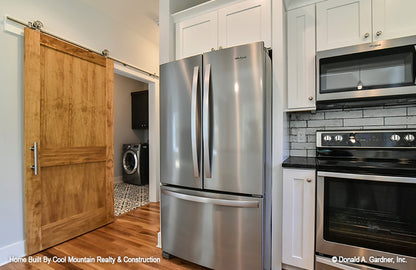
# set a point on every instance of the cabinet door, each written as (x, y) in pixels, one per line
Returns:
(393, 19)
(196, 35)
(245, 22)
(343, 23)
(140, 110)
(298, 230)
(301, 58)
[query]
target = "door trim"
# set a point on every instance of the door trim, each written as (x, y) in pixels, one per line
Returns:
(154, 130)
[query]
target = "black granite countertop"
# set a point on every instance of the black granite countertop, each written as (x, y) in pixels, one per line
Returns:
(300, 162)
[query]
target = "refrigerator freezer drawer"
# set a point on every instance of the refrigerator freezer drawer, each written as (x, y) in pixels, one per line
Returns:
(214, 230)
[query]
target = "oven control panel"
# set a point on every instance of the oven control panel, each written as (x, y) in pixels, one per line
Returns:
(367, 138)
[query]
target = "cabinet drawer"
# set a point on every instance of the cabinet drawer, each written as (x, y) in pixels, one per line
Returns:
(214, 230)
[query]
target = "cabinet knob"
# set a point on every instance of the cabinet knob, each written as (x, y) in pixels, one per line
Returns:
(366, 35)
(310, 98)
(378, 33)
(308, 180)
(212, 49)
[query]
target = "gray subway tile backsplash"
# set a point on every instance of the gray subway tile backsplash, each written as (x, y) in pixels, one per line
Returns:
(411, 111)
(309, 116)
(298, 153)
(364, 122)
(344, 114)
(384, 112)
(325, 123)
(303, 125)
(403, 120)
(298, 124)
(301, 146)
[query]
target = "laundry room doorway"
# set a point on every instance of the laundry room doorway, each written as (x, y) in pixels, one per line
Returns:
(136, 138)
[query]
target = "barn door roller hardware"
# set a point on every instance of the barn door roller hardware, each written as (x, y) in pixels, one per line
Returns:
(36, 25)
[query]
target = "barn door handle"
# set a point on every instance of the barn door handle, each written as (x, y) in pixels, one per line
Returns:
(34, 148)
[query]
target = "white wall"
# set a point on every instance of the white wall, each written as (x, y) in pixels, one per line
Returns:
(123, 133)
(76, 21)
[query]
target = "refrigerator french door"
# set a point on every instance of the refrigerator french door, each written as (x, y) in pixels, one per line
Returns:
(215, 124)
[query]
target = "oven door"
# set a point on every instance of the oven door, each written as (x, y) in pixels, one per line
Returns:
(367, 219)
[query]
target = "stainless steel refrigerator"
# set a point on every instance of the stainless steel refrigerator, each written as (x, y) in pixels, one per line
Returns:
(215, 150)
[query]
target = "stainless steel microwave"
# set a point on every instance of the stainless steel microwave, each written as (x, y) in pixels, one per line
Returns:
(372, 71)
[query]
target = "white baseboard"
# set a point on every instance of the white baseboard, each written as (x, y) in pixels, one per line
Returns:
(159, 240)
(118, 179)
(13, 250)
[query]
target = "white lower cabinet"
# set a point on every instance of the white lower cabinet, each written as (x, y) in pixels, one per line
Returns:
(298, 228)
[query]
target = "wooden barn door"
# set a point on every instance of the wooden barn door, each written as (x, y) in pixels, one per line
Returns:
(68, 111)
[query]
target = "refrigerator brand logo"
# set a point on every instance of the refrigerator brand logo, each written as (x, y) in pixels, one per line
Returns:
(375, 45)
(240, 58)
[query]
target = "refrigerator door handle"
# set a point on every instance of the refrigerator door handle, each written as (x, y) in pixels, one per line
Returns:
(194, 123)
(222, 202)
(206, 122)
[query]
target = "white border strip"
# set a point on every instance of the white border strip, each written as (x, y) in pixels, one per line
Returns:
(12, 27)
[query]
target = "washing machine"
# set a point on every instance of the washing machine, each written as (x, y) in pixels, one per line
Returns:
(136, 163)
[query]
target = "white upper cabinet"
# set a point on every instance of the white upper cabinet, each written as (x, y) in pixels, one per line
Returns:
(298, 228)
(301, 58)
(245, 22)
(343, 23)
(196, 35)
(393, 19)
(236, 24)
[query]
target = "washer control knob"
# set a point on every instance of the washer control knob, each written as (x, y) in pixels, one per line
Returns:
(409, 138)
(327, 138)
(338, 138)
(395, 138)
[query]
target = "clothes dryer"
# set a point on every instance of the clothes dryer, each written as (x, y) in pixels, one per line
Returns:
(136, 163)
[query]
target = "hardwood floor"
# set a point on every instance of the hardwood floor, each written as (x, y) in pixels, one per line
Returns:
(133, 234)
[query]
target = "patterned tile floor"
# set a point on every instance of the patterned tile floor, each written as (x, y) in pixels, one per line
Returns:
(128, 197)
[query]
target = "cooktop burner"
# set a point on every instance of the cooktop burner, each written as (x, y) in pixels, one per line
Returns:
(387, 152)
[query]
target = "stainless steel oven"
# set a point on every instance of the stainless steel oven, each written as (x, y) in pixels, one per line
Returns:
(383, 69)
(366, 200)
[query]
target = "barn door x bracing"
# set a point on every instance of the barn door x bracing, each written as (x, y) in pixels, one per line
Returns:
(68, 141)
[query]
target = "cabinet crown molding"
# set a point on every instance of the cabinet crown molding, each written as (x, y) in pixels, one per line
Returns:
(294, 4)
(201, 9)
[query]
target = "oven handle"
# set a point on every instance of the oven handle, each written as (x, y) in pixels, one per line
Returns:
(367, 177)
